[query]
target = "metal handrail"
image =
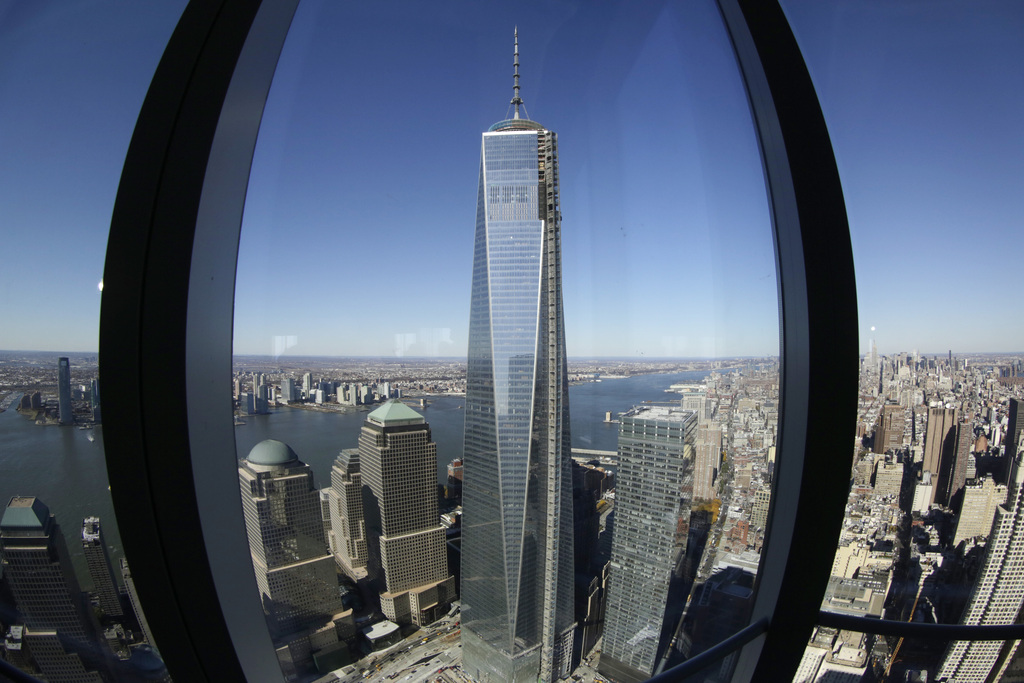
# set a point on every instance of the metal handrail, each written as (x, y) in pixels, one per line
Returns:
(15, 674)
(714, 654)
(912, 629)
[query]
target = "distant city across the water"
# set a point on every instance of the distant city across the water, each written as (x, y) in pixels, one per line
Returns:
(66, 469)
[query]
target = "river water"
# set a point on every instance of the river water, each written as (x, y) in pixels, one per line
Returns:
(64, 466)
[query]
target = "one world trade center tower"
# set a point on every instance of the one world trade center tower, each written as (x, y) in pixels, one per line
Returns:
(517, 554)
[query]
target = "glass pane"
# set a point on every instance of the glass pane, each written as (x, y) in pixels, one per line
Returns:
(73, 76)
(923, 113)
(523, 430)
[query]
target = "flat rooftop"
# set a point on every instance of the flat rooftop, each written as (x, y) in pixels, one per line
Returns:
(661, 413)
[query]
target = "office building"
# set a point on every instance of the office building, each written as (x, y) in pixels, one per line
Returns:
(60, 629)
(924, 493)
(64, 391)
(997, 594)
(864, 466)
(696, 400)
(104, 584)
(889, 429)
(978, 508)
(133, 600)
(325, 517)
(709, 455)
(953, 469)
(652, 509)
(889, 478)
(94, 400)
(759, 508)
(407, 557)
(261, 398)
(939, 438)
(453, 489)
(1014, 428)
(287, 390)
(346, 509)
(295, 572)
(517, 548)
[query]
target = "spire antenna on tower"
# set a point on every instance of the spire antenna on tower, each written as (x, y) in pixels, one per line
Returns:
(517, 101)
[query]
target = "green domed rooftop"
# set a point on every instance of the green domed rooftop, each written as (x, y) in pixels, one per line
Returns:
(271, 453)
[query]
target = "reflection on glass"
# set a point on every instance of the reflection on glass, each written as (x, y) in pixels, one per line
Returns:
(357, 287)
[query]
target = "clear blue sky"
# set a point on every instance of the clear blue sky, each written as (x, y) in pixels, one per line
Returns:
(358, 229)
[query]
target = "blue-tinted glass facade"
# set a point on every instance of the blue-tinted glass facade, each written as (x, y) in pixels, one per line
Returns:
(654, 487)
(517, 497)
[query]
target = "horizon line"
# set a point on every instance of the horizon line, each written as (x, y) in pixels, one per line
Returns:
(594, 357)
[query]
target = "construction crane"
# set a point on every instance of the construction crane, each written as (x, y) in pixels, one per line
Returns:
(899, 642)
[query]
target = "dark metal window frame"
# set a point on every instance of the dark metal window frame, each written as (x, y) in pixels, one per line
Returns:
(166, 320)
(165, 326)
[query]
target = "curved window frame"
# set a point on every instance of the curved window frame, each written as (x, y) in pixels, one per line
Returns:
(166, 318)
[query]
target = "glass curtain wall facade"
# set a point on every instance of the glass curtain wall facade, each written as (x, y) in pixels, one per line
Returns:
(647, 581)
(517, 572)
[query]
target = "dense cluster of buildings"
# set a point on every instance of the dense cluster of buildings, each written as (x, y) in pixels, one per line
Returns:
(557, 563)
(377, 526)
(662, 554)
(254, 393)
(931, 531)
(69, 396)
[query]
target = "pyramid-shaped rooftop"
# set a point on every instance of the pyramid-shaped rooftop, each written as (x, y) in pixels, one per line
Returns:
(25, 512)
(395, 413)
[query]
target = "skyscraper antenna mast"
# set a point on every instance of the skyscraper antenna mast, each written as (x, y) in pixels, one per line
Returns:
(516, 100)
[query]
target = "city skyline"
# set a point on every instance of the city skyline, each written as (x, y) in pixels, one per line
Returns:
(922, 116)
(748, 404)
(355, 242)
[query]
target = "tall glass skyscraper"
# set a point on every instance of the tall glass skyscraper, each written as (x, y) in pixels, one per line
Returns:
(654, 488)
(517, 571)
(64, 391)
